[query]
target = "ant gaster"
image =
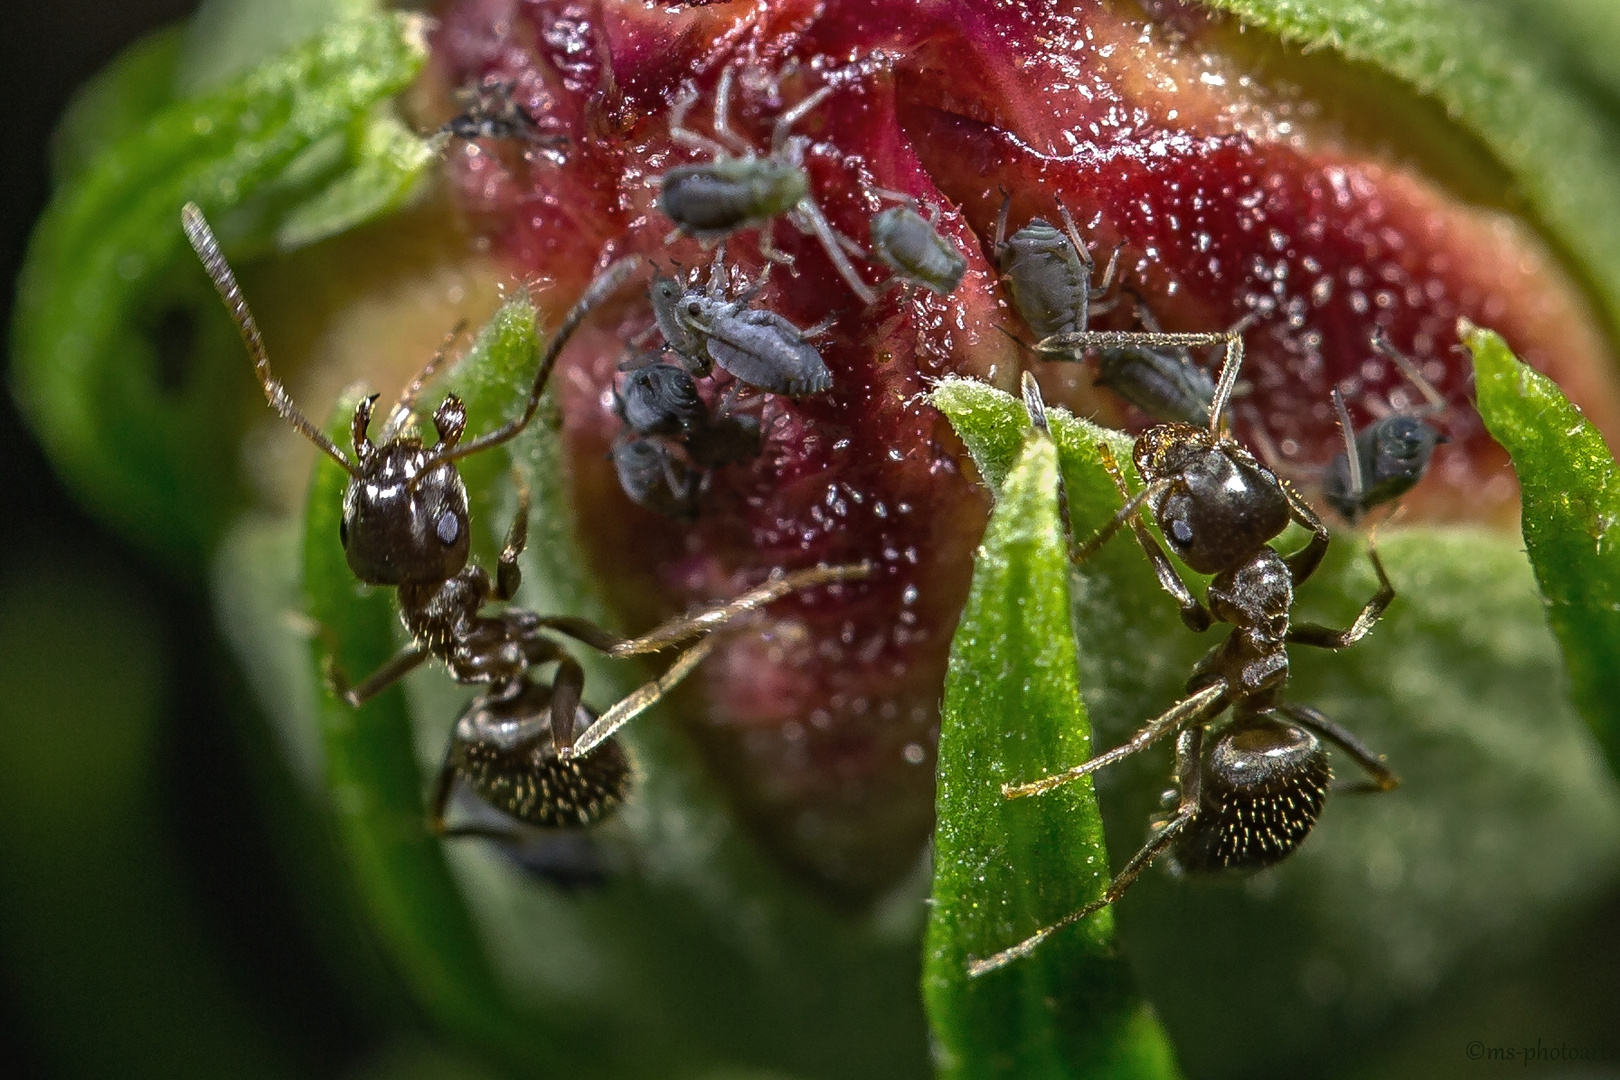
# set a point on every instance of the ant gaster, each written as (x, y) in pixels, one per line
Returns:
(1251, 790)
(405, 524)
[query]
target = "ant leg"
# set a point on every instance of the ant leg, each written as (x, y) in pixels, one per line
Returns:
(566, 687)
(508, 575)
(684, 628)
(403, 663)
(1193, 613)
(1325, 637)
(1198, 708)
(443, 787)
(639, 701)
(1188, 748)
(1303, 563)
(1306, 717)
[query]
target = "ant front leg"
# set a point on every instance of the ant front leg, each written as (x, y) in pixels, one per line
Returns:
(1325, 637)
(1193, 612)
(1188, 751)
(1303, 563)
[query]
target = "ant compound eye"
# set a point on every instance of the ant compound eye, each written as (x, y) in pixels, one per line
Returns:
(1181, 533)
(448, 528)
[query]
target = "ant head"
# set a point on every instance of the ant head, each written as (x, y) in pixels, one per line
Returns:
(1262, 785)
(405, 519)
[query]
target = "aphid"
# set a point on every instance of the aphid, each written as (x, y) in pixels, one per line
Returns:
(659, 399)
(492, 112)
(1048, 274)
(761, 348)
(1388, 458)
(405, 524)
(1162, 381)
(912, 247)
(739, 189)
(654, 476)
(1252, 790)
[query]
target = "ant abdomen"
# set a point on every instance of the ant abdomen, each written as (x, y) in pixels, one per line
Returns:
(503, 747)
(1261, 788)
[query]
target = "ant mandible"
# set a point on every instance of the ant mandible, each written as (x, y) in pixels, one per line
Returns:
(1252, 791)
(405, 524)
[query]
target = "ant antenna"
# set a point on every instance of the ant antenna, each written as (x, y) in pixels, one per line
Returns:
(1351, 456)
(413, 389)
(206, 246)
(1379, 340)
(606, 283)
(1229, 374)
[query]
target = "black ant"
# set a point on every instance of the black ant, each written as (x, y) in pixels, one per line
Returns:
(405, 524)
(1251, 792)
(492, 112)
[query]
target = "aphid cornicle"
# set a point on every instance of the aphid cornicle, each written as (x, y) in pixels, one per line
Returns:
(405, 524)
(1251, 791)
(738, 189)
(703, 326)
(1386, 459)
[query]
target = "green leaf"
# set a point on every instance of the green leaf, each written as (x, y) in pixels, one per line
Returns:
(1501, 75)
(1003, 869)
(1506, 823)
(109, 280)
(1571, 506)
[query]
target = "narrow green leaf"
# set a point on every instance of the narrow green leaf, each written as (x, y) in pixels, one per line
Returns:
(1003, 869)
(403, 884)
(108, 271)
(1571, 495)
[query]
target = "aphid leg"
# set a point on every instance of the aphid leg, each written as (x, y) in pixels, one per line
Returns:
(1188, 749)
(1195, 709)
(784, 122)
(811, 212)
(401, 412)
(206, 246)
(680, 133)
(722, 115)
(1436, 403)
(1383, 779)
(1325, 637)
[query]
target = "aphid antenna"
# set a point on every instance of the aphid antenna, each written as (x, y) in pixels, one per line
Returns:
(1352, 458)
(400, 414)
(204, 243)
(605, 284)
